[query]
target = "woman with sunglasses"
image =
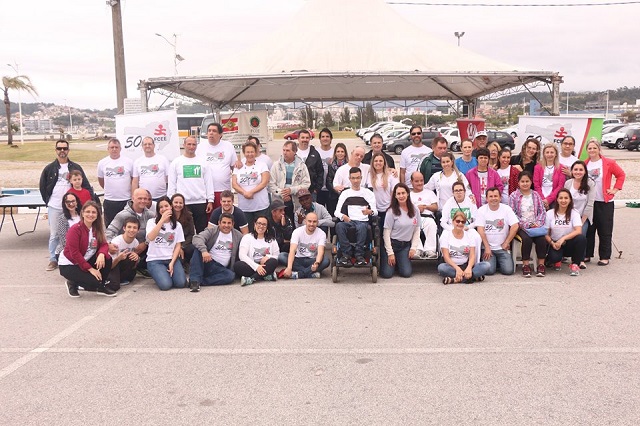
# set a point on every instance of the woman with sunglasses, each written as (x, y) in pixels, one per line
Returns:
(565, 234)
(258, 253)
(85, 260)
(71, 214)
(459, 254)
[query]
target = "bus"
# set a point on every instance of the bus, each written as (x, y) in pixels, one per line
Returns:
(189, 125)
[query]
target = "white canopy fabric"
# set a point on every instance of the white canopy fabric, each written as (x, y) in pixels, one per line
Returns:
(366, 51)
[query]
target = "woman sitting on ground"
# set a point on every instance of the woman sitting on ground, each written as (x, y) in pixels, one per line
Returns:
(459, 254)
(185, 218)
(71, 214)
(565, 234)
(401, 234)
(258, 253)
(85, 260)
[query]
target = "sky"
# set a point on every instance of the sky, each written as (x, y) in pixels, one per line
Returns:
(66, 48)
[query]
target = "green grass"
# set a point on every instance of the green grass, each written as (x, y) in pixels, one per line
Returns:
(45, 151)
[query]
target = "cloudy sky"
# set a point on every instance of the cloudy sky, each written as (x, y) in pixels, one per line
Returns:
(67, 47)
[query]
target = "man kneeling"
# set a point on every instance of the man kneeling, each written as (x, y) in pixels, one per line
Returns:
(216, 250)
(306, 256)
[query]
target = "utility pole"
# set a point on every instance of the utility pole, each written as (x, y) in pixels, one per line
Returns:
(118, 53)
(176, 60)
(459, 35)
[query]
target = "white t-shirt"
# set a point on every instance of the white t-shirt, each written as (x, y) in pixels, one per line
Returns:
(61, 188)
(451, 207)
(459, 248)
(73, 221)
(496, 224)
(92, 248)
(303, 153)
(483, 177)
(567, 161)
(326, 157)
(261, 248)
(560, 226)
(342, 175)
(504, 178)
(527, 209)
(308, 244)
(191, 178)
(547, 180)
(264, 159)
(425, 197)
(579, 200)
(222, 249)
(117, 177)
(248, 177)
(410, 160)
(152, 174)
(594, 168)
(219, 160)
(161, 248)
(443, 186)
(123, 246)
(383, 196)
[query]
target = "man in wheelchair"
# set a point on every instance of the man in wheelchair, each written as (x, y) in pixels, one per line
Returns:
(355, 206)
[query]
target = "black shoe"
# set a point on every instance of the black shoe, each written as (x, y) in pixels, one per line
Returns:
(105, 291)
(344, 261)
(72, 289)
(194, 286)
(144, 272)
(360, 261)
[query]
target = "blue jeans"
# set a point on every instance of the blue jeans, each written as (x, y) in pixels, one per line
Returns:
(158, 271)
(302, 265)
(478, 270)
(403, 263)
(53, 214)
(361, 237)
(585, 227)
(210, 273)
(502, 258)
(283, 259)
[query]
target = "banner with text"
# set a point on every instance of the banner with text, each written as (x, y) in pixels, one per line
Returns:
(551, 129)
(162, 126)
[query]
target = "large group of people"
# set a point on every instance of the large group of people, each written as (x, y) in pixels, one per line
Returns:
(176, 221)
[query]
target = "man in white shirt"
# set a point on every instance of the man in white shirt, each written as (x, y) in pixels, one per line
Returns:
(216, 250)
(219, 157)
(150, 171)
(355, 206)
(306, 256)
(426, 202)
(412, 156)
(342, 179)
(189, 176)
(114, 175)
(497, 225)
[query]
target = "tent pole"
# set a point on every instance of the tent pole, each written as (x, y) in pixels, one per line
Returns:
(142, 86)
(555, 95)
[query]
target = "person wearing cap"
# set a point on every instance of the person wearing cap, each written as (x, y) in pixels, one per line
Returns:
(479, 141)
(307, 205)
(282, 228)
(226, 206)
(431, 164)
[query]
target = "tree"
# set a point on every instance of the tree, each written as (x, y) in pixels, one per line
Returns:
(345, 116)
(629, 116)
(370, 115)
(309, 116)
(327, 119)
(19, 82)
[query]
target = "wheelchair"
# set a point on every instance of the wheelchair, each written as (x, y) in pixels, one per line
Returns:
(371, 252)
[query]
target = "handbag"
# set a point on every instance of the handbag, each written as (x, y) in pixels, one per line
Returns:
(540, 231)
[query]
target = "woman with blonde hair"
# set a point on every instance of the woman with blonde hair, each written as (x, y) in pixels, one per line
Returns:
(494, 155)
(548, 178)
(382, 182)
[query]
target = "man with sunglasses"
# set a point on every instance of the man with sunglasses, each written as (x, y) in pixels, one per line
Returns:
(412, 156)
(54, 183)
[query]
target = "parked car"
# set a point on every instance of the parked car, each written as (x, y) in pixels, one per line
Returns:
(503, 138)
(398, 145)
(608, 128)
(615, 139)
(294, 135)
(453, 139)
(373, 127)
(513, 131)
(384, 129)
(611, 121)
(631, 139)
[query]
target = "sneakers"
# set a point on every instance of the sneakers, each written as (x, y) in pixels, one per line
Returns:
(419, 254)
(557, 266)
(144, 272)
(72, 289)
(316, 275)
(106, 291)
(430, 254)
(344, 261)
(540, 271)
(194, 286)
(360, 261)
(279, 274)
(267, 277)
(51, 266)
(246, 281)
(294, 275)
(125, 282)
(526, 271)
(575, 270)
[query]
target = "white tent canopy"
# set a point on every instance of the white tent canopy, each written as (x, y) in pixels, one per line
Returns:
(367, 51)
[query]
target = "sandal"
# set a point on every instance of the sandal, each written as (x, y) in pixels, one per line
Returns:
(603, 263)
(448, 280)
(583, 266)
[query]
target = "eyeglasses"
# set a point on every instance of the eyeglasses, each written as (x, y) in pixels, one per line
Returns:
(567, 144)
(459, 221)
(70, 202)
(261, 224)
(458, 190)
(61, 148)
(415, 133)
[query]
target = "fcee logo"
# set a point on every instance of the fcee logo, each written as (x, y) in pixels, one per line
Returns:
(160, 131)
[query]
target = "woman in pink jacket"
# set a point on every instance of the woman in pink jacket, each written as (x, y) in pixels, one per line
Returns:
(483, 177)
(548, 178)
(601, 170)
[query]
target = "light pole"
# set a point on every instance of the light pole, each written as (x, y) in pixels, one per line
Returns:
(16, 68)
(70, 119)
(459, 36)
(176, 60)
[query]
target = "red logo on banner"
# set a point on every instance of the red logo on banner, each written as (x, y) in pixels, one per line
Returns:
(561, 133)
(160, 131)
(230, 124)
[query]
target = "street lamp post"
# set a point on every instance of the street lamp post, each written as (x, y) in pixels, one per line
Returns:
(16, 68)
(70, 119)
(176, 60)
(459, 36)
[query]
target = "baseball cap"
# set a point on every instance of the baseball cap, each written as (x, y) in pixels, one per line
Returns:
(276, 204)
(480, 133)
(303, 192)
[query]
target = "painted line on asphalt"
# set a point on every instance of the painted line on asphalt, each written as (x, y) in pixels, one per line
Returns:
(47, 346)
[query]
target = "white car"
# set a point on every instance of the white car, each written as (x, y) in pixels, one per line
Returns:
(615, 139)
(513, 131)
(373, 127)
(453, 139)
(382, 130)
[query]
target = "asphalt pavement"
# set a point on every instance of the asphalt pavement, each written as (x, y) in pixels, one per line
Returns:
(554, 350)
